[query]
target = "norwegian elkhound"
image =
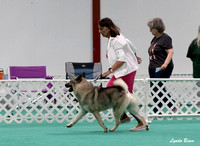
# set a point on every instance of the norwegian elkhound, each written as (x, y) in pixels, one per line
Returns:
(95, 99)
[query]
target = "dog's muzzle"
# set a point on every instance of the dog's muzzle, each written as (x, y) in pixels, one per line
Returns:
(69, 86)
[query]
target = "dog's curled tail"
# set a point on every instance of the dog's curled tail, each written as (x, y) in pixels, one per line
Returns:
(121, 83)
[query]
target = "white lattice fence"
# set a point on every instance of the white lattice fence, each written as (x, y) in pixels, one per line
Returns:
(48, 100)
(32, 100)
(173, 98)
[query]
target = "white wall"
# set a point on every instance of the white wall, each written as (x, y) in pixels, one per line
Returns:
(51, 32)
(45, 32)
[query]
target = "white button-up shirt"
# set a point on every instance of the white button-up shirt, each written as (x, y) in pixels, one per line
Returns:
(121, 49)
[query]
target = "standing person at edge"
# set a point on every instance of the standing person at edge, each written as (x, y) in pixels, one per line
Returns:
(160, 57)
(194, 54)
(160, 50)
(121, 55)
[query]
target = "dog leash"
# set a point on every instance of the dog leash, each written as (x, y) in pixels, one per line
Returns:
(100, 77)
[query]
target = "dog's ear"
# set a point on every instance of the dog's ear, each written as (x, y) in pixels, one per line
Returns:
(79, 78)
(83, 74)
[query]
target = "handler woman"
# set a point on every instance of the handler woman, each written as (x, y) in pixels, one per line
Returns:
(121, 55)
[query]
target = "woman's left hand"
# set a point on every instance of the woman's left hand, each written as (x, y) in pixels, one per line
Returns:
(163, 67)
(105, 74)
(170, 53)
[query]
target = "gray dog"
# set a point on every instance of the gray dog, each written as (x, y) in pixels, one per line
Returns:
(95, 99)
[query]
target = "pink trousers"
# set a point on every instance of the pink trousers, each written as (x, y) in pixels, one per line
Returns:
(128, 79)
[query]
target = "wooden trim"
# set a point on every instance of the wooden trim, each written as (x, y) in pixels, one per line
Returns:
(96, 35)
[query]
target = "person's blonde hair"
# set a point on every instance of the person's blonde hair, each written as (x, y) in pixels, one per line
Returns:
(198, 37)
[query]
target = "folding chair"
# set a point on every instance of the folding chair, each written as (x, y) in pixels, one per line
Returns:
(92, 70)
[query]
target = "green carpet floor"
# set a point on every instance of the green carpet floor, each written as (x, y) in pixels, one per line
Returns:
(161, 133)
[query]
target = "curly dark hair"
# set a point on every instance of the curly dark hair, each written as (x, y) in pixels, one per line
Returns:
(157, 23)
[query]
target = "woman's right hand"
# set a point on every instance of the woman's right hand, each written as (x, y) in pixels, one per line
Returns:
(139, 60)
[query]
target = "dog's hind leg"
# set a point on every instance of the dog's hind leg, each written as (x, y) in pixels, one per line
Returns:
(81, 114)
(117, 121)
(98, 117)
(117, 112)
(140, 119)
(134, 111)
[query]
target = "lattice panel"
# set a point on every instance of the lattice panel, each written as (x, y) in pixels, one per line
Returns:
(174, 98)
(48, 100)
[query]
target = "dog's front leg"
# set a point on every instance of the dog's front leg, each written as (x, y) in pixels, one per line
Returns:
(77, 118)
(98, 117)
